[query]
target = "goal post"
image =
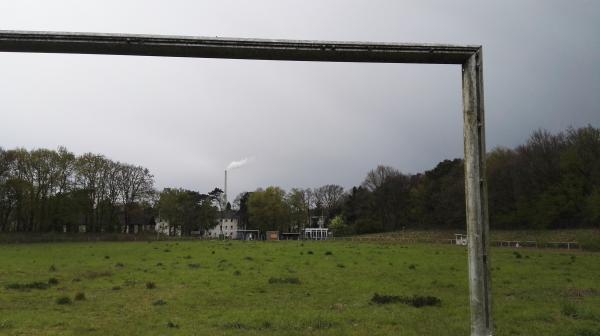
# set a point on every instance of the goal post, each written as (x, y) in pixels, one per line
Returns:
(469, 57)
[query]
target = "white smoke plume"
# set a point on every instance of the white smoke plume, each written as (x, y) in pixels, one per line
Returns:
(238, 164)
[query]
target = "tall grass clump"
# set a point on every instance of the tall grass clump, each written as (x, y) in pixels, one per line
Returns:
(288, 280)
(416, 301)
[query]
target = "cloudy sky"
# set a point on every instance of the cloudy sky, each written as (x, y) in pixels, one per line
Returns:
(303, 124)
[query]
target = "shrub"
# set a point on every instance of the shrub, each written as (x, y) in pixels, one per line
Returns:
(288, 280)
(80, 296)
(115, 288)
(53, 281)
(309, 252)
(328, 253)
(150, 285)
(106, 257)
(63, 300)
(412, 266)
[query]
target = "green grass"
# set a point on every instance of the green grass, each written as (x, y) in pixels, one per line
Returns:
(541, 236)
(279, 288)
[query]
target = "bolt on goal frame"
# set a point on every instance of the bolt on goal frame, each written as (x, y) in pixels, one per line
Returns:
(469, 57)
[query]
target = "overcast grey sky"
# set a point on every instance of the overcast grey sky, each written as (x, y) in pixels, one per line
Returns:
(304, 124)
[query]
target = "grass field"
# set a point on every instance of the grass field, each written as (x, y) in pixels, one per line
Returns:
(285, 288)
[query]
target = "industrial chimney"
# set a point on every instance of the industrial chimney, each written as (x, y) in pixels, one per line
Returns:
(225, 191)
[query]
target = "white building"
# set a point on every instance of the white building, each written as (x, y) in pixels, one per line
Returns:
(227, 226)
(162, 226)
(316, 233)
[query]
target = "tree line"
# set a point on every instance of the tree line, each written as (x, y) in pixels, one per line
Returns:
(552, 181)
(54, 190)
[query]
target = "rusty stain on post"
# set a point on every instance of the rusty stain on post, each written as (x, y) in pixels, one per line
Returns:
(323, 51)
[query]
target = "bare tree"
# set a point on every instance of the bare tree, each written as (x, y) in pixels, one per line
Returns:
(329, 197)
(135, 183)
(378, 176)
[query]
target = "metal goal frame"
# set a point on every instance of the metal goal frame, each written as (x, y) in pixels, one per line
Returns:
(469, 57)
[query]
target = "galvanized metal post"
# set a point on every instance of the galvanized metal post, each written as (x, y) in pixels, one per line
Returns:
(476, 197)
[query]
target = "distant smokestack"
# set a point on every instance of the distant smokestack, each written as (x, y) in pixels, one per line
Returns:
(225, 191)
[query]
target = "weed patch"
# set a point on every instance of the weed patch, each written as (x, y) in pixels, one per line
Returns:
(28, 286)
(320, 324)
(5, 324)
(587, 332)
(97, 274)
(63, 300)
(235, 325)
(577, 312)
(288, 280)
(80, 296)
(416, 301)
(150, 285)
(159, 303)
